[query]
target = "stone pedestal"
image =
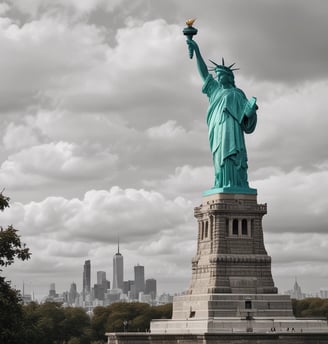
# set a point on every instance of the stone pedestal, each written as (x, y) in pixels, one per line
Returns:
(232, 289)
(210, 306)
(231, 257)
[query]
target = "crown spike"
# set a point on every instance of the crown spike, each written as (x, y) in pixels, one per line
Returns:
(222, 61)
(214, 63)
(232, 65)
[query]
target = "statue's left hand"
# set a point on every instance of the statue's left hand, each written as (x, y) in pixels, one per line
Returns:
(251, 107)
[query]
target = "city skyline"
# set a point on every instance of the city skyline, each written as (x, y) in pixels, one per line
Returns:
(103, 133)
(294, 288)
(91, 278)
(102, 292)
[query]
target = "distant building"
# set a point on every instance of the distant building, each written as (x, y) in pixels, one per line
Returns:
(127, 286)
(97, 302)
(118, 275)
(139, 279)
(86, 278)
(54, 297)
(101, 287)
(72, 294)
(145, 298)
(52, 291)
(296, 292)
(324, 293)
(26, 298)
(101, 277)
(112, 296)
(99, 292)
(165, 298)
(151, 288)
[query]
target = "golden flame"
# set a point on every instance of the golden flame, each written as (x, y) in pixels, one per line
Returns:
(189, 22)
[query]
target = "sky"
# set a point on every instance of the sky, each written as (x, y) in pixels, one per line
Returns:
(103, 133)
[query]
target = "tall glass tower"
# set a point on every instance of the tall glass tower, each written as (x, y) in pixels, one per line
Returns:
(86, 278)
(118, 269)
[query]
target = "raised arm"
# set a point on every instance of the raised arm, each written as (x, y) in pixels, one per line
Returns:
(202, 68)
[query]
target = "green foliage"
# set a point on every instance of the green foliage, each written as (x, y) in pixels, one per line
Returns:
(11, 315)
(311, 307)
(163, 311)
(11, 247)
(10, 244)
(4, 201)
(136, 315)
(51, 323)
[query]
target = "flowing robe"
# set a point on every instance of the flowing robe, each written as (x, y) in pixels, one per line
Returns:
(227, 122)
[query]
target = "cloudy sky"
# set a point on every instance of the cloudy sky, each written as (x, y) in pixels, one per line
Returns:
(103, 133)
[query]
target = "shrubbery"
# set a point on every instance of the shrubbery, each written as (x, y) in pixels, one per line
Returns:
(51, 323)
(311, 307)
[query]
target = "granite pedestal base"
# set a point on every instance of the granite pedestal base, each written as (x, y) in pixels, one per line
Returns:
(208, 306)
(239, 325)
(228, 313)
(223, 338)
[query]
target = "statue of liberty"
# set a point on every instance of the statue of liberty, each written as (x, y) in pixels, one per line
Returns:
(230, 114)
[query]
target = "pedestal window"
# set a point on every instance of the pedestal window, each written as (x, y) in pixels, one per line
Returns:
(244, 227)
(235, 227)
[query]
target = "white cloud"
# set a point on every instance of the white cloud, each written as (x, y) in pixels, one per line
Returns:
(55, 52)
(104, 128)
(20, 136)
(294, 204)
(297, 248)
(168, 130)
(61, 160)
(186, 180)
(102, 215)
(35, 7)
(4, 8)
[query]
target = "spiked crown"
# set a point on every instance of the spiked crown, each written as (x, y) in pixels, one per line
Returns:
(222, 68)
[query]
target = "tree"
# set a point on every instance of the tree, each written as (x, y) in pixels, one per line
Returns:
(136, 317)
(11, 315)
(310, 307)
(51, 323)
(11, 246)
(76, 324)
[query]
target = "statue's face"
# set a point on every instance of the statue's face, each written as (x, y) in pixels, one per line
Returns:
(224, 79)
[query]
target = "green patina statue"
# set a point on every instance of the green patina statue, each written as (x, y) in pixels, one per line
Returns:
(230, 114)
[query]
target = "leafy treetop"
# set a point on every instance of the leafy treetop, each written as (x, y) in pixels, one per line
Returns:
(10, 243)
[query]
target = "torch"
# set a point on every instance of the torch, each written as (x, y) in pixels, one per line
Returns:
(190, 31)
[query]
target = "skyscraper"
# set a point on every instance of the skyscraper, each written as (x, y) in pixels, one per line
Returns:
(101, 278)
(72, 294)
(118, 269)
(86, 277)
(52, 290)
(139, 279)
(151, 288)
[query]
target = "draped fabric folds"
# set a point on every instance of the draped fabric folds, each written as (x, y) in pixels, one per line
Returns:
(227, 122)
